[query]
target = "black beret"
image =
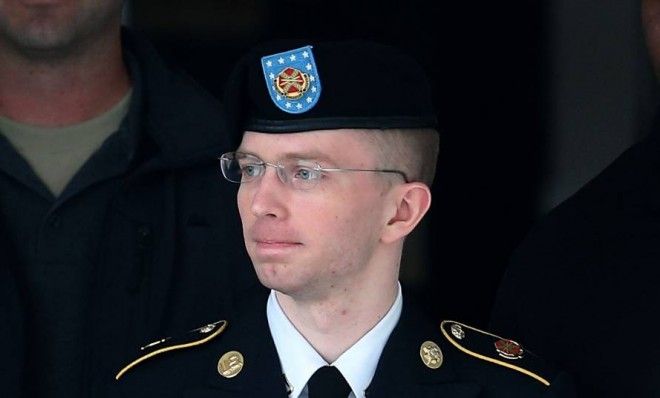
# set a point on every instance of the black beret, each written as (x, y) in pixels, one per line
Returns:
(286, 87)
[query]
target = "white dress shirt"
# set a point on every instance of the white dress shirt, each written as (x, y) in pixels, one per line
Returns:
(299, 360)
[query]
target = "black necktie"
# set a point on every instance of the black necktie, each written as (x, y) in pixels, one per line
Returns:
(328, 382)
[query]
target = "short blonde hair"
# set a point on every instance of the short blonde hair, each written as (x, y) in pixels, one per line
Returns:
(412, 151)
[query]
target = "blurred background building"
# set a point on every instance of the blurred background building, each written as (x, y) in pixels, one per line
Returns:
(534, 99)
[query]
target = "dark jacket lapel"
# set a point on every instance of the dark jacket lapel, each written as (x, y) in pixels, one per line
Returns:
(402, 373)
(261, 375)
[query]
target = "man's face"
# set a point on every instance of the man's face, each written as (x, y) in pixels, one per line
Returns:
(52, 28)
(307, 243)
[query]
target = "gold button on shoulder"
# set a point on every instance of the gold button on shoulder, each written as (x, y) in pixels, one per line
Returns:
(431, 355)
(230, 364)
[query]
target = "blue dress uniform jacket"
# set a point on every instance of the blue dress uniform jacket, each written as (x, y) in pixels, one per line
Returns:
(591, 268)
(194, 371)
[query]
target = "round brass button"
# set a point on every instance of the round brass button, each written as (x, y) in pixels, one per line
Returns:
(230, 364)
(431, 354)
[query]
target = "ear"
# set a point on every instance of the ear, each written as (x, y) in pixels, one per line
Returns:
(411, 202)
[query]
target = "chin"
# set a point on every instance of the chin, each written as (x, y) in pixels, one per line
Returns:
(275, 276)
(268, 274)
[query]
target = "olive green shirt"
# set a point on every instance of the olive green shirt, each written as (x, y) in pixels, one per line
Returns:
(57, 153)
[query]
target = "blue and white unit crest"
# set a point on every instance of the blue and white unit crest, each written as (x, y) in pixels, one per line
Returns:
(292, 79)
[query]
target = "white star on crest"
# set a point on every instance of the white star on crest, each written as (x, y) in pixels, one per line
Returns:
(281, 60)
(292, 57)
(309, 100)
(308, 66)
(269, 63)
(313, 89)
(305, 54)
(299, 106)
(288, 105)
(279, 97)
(272, 75)
(312, 78)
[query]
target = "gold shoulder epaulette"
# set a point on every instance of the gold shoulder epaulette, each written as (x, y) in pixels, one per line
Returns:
(195, 337)
(492, 348)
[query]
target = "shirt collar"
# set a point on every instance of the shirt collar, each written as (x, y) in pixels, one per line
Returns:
(299, 360)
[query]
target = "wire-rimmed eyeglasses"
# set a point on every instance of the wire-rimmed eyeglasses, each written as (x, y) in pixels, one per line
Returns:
(239, 167)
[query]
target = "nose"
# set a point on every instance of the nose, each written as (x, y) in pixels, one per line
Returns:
(269, 195)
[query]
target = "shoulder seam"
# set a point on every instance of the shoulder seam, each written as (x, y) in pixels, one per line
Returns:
(143, 358)
(486, 358)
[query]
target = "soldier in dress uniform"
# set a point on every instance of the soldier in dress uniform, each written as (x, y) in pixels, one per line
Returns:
(338, 150)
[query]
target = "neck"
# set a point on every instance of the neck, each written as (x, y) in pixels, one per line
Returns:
(63, 91)
(335, 322)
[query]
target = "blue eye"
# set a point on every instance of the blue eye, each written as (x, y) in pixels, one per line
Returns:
(306, 174)
(251, 170)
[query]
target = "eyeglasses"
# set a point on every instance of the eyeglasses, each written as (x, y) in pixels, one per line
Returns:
(239, 167)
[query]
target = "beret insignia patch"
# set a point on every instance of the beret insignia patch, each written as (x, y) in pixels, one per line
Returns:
(292, 79)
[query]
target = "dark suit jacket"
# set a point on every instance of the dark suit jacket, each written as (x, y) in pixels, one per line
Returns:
(193, 372)
(583, 289)
(165, 254)
(12, 343)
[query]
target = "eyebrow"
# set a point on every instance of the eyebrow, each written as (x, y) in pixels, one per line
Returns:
(316, 156)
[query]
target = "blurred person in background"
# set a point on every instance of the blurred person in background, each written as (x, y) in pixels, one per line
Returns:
(582, 289)
(108, 193)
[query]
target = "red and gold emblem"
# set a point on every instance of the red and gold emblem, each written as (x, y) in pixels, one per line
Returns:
(509, 349)
(292, 83)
